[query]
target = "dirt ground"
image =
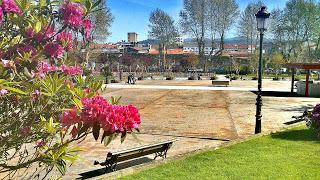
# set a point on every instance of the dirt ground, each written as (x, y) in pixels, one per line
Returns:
(194, 118)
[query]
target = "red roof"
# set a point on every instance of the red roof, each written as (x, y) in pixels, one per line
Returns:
(306, 66)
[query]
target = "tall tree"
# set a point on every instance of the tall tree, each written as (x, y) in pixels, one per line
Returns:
(162, 27)
(247, 26)
(277, 29)
(102, 19)
(193, 22)
(227, 12)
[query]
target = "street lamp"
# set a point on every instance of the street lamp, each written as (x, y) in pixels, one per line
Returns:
(261, 17)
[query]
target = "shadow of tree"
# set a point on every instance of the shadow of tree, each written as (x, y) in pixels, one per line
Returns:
(297, 135)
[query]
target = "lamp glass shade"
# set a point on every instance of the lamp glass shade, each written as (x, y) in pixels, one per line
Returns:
(261, 24)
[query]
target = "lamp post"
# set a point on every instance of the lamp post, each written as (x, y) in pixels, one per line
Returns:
(261, 17)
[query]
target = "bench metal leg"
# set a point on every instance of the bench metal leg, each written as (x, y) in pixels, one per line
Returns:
(110, 167)
(162, 154)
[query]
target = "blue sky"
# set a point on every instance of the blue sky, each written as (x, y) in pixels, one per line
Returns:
(133, 15)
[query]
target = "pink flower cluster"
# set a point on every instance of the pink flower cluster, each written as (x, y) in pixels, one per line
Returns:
(44, 68)
(10, 6)
(71, 70)
(112, 118)
(46, 33)
(72, 14)
(65, 39)
(26, 48)
(87, 25)
(1, 15)
(3, 92)
(54, 50)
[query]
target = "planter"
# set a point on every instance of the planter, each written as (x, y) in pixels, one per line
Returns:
(235, 78)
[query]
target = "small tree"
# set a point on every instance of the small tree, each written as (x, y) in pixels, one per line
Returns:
(162, 27)
(192, 60)
(276, 62)
(47, 105)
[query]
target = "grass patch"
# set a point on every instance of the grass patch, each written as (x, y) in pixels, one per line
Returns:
(292, 154)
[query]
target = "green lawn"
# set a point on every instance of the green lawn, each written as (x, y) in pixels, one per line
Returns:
(292, 154)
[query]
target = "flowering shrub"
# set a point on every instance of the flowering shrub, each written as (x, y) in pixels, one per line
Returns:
(313, 120)
(46, 104)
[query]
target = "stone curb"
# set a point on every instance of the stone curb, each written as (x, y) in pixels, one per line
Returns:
(145, 166)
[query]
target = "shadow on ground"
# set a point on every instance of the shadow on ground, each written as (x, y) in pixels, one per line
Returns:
(297, 135)
(278, 94)
(124, 165)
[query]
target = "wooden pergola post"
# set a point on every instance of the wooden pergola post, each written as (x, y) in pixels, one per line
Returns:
(307, 83)
(292, 79)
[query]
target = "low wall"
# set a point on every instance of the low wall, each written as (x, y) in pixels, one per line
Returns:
(314, 88)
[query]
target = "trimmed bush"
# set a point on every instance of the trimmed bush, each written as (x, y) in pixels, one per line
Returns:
(235, 78)
(276, 78)
(169, 78)
(192, 78)
(213, 78)
(254, 78)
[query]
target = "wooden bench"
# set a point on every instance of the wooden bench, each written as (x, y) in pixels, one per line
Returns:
(113, 158)
(220, 82)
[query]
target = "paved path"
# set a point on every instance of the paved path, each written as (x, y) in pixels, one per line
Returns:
(204, 88)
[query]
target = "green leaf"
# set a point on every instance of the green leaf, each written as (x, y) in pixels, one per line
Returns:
(96, 131)
(37, 26)
(83, 129)
(108, 140)
(88, 5)
(123, 137)
(134, 135)
(14, 90)
(115, 100)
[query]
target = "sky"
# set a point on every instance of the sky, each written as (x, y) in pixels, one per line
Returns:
(133, 15)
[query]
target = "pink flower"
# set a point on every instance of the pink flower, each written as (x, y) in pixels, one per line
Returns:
(87, 25)
(70, 117)
(24, 49)
(45, 68)
(72, 14)
(3, 92)
(54, 50)
(65, 39)
(30, 32)
(1, 15)
(112, 118)
(46, 33)
(25, 131)
(40, 143)
(68, 82)
(71, 70)
(10, 6)
(36, 94)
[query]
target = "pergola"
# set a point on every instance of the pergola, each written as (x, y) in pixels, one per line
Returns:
(305, 66)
